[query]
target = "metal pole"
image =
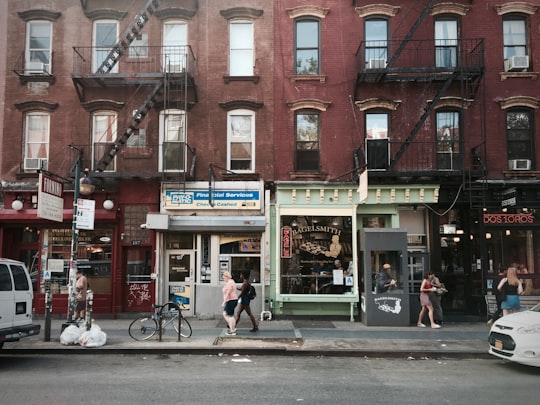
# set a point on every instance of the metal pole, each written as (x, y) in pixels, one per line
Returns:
(48, 310)
(89, 306)
(74, 242)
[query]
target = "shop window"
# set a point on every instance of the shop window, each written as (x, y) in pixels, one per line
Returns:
(179, 241)
(316, 255)
(307, 135)
(307, 51)
(240, 254)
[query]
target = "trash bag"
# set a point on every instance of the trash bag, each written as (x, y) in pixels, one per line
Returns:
(93, 338)
(70, 335)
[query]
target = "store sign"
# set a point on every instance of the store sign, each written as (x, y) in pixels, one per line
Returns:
(50, 201)
(509, 198)
(506, 219)
(286, 242)
(221, 199)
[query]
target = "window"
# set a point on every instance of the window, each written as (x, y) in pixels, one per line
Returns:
(172, 139)
(37, 132)
(240, 254)
(38, 47)
(448, 141)
(139, 47)
(307, 142)
(376, 35)
(103, 134)
(174, 43)
(105, 35)
(377, 142)
(241, 48)
(307, 47)
(515, 43)
(241, 136)
(446, 42)
(519, 136)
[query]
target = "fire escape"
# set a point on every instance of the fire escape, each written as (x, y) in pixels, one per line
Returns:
(451, 68)
(165, 73)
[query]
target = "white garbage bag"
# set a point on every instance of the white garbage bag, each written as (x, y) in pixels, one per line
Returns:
(93, 338)
(70, 335)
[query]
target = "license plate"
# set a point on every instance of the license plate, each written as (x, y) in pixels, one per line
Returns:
(498, 344)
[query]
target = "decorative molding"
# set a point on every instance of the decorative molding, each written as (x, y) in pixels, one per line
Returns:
(371, 103)
(237, 104)
(453, 102)
(36, 105)
(39, 14)
(308, 78)
(241, 12)
(377, 9)
(105, 14)
(228, 79)
(518, 101)
(302, 11)
(308, 103)
(101, 104)
(450, 8)
(516, 7)
(174, 12)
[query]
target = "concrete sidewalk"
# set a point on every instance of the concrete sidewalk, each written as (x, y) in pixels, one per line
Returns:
(279, 337)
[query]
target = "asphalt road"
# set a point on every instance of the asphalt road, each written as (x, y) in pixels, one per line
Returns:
(225, 379)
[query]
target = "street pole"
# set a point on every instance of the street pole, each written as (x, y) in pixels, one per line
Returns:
(74, 241)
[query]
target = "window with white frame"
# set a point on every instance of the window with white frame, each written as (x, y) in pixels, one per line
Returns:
(377, 142)
(515, 43)
(520, 139)
(307, 47)
(104, 39)
(104, 127)
(241, 140)
(37, 133)
(376, 34)
(446, 43)
(448, 140)
(174, 46)
(172, 141)
(38, 47)
(307, 137)
(241, 54)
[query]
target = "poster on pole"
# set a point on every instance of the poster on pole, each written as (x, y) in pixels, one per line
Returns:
(86, 210)
(50, 202)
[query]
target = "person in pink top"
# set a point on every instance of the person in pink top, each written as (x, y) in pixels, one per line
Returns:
(230, 300)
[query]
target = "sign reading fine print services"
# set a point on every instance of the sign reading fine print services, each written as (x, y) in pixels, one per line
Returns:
(222, 199)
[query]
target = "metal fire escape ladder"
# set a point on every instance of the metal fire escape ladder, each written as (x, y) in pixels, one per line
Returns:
(129, 35)
(427, 112)
(113, 149)
(410, 33)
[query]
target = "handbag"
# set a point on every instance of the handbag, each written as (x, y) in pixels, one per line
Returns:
(442, 289)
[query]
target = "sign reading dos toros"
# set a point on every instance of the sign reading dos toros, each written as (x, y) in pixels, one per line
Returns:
(505, 219)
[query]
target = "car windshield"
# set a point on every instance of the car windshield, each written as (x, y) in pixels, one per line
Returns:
(536, 308)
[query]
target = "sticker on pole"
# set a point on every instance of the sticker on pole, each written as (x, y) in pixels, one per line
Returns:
(46, 275)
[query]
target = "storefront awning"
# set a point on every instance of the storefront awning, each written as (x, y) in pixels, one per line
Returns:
(205, 223)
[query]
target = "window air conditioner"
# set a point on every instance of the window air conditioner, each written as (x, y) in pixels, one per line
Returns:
(35, 164)
(376, 64)
(516, 63)
(519, 164)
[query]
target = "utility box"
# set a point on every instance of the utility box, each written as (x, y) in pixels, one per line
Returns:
(384, 306)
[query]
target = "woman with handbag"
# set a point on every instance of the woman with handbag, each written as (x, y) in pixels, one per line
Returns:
(512, 288)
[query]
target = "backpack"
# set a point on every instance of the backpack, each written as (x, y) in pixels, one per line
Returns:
(251, 292)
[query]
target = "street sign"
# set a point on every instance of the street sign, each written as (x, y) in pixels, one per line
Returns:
(85, 213)
(46, 275)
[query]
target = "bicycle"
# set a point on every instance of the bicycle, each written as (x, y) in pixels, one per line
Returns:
(147, 326)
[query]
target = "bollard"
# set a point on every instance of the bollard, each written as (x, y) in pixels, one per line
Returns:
(88, 313)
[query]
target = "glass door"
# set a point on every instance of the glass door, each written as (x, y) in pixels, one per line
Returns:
(180, 272)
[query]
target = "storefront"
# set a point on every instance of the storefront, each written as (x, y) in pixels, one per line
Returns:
(202, 233)
(317, 266)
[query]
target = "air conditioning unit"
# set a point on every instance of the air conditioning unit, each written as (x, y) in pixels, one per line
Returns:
(35, 164)
(519, 164)
(516, 63)
(376, 64)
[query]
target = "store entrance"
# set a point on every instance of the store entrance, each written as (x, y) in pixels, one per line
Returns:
(179, 279)
(140, 286)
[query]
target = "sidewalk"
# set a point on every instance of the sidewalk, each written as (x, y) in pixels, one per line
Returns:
(279, 337)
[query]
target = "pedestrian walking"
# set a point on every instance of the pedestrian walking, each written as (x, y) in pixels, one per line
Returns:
(499, 296)
(230, 300)
(512, 288)
(425, 289)
(244, 299)
(81, 286)
(435, 298)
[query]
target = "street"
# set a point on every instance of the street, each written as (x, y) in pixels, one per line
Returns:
(225, 379)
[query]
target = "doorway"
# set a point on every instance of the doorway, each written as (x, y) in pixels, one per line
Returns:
(179, 280)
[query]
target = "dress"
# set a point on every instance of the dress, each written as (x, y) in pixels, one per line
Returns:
(424, 296)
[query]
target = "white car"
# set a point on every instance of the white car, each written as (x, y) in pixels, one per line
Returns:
(516, 337)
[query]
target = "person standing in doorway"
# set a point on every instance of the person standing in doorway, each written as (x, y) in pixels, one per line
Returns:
(230, 300)
(244, 301)
(81, 286)
(435, 298)
(384, 280)
(425, 289)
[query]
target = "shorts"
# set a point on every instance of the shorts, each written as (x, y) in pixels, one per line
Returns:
(511, 302)
(229, 307)
(79, 306)
(244, 300)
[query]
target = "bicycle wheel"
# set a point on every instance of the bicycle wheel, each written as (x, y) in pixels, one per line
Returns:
(143, 328)
(185, 327)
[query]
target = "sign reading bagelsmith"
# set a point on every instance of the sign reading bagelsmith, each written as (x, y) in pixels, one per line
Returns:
(50, 201)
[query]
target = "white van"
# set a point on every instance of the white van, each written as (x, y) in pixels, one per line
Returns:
(15, 302)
